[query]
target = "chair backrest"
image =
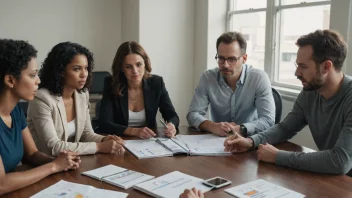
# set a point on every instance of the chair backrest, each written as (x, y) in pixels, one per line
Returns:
(95, 120)
(278, 105)
(98, 82)
(97, 107)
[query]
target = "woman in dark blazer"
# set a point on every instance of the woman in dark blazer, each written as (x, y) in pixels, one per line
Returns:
(132, 96)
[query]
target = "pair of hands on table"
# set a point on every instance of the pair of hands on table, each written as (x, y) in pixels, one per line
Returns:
(65, 161)
(111, 144)
(146, 133)
(237, 144)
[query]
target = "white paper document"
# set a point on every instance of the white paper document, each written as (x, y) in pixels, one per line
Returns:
(262, 189)
(104, 171)
(147, 148)
(207, 144)
(174, 145)
(171, 185)
(118, 176)
(73, 190)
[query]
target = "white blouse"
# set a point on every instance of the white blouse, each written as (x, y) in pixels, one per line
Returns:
(71, 128)
(136, 119)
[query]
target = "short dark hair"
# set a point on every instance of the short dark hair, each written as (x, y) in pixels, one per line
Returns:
(55, 63)
(327, 45)
(230, 37)
(14, 57)
(119, 80)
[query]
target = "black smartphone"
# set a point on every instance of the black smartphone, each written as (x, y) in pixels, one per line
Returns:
(217, 182)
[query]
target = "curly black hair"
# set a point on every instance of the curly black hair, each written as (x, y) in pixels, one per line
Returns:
(14, 57)
(55, 63)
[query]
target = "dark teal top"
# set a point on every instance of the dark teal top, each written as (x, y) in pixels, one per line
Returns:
(11, 143)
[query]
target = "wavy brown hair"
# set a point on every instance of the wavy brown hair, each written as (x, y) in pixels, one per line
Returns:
(119, 80)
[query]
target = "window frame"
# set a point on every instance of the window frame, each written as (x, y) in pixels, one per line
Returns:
(272, 39)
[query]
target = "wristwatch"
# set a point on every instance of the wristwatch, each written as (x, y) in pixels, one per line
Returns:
(243, 130)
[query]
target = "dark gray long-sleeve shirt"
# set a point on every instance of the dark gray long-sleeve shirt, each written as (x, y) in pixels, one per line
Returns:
(330, 122)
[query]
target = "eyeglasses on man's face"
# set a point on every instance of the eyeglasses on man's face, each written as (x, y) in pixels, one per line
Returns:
(230, 60)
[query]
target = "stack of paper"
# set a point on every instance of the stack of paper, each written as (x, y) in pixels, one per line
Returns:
(171, 185)
(263, 189)
(118, 176)
(68, 189)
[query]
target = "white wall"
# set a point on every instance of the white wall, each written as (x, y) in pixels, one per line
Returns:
(200, 39)
(45, 23)
(210, 23)
(216, 26)
(341, 11)
(169, 44)
(130, 21)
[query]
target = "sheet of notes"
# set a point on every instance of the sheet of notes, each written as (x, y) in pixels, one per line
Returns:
(147, 148)
(69, 189)
(263, 189)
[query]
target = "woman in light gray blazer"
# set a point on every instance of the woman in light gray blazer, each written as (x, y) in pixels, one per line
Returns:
(58, 117)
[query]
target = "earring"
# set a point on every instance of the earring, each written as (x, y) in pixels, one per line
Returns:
(11, 86)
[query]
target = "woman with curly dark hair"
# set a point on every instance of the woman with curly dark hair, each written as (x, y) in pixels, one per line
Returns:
(58, 117)
(132, 96)
(19, 80)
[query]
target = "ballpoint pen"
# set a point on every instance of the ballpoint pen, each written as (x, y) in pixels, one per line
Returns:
(162, 122)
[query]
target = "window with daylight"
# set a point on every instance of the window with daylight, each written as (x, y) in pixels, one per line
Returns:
(272, 28)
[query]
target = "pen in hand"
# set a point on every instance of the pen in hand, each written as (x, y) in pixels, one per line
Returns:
(162, 122)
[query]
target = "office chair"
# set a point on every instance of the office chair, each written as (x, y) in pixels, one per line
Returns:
(97, 88)
(95, 120)
(278, 105)
(98, 82)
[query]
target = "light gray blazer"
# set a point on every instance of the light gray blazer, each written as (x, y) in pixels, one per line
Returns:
(47, 123)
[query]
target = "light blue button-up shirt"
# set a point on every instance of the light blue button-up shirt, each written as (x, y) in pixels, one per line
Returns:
(251, 104)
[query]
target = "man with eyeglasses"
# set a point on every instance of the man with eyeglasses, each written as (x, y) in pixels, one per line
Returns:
(238, 94)
(325, 105)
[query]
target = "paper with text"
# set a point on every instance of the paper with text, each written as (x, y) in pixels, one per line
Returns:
(104, 171)
(147, 148)
(118, 176)
(173, 144)
(263, 189)
(207, 144)
(73, 190)
(127, 179)
(171, 185)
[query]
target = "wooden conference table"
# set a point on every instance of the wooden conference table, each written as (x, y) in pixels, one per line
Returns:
(239, 168)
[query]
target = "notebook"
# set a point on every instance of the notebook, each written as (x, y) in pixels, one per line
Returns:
(208, 145)
(69, 189)
(171, 185)
(118, 176)
(262, 188)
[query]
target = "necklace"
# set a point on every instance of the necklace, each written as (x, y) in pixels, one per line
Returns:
(132, 96)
